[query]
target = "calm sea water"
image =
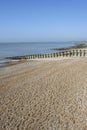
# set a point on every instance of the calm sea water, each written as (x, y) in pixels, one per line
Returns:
(19, 49)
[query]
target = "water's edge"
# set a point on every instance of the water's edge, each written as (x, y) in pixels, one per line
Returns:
(10, 52)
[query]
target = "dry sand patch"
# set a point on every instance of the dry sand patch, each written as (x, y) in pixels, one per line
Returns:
(48, 95)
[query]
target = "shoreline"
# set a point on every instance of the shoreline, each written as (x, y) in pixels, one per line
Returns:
(14, 63)
(11, 63)
(19, 59)
(81, 46)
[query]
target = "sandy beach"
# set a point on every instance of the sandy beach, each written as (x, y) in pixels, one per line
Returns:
(44, 95)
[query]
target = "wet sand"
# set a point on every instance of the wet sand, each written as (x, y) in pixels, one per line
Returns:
(44, 95)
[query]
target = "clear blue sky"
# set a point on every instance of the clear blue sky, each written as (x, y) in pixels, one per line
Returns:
(43, 20)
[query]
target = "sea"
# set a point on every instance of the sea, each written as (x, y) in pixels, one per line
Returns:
(27, 48)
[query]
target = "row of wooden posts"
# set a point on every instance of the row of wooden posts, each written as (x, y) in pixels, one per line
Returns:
(81, 53)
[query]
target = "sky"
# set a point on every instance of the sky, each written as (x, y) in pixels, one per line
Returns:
(43, 20)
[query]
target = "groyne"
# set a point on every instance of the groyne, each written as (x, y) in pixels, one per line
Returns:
(70, 53)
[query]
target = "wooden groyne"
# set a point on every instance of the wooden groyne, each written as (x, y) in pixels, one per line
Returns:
(72, 53)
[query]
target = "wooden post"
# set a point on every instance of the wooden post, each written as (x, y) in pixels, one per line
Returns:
(80, 53)
(70, 53)
(76, 52)
(57, 54)
(66, 53)
(54, 55)
(51, 55)
(73, 52)
(40, 56)
(35, 56)
(84, 53)
(45, 55)
(63, 53)
(48, 55)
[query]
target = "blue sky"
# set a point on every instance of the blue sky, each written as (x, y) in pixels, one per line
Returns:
(43, 20)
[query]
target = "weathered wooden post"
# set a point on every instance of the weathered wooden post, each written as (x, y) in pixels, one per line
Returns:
(73, 52)
(84, 52)
(70, 53)
(63, 53)
(40, 55)
(45, 55)
(30, 57)
(66, 53)
(57, 54)
(48, 56)
(76, 52)
(35, 56)
(80, 53)
(51, 55)
(54, 54)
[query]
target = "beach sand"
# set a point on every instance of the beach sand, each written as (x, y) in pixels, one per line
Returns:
(44, 95)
